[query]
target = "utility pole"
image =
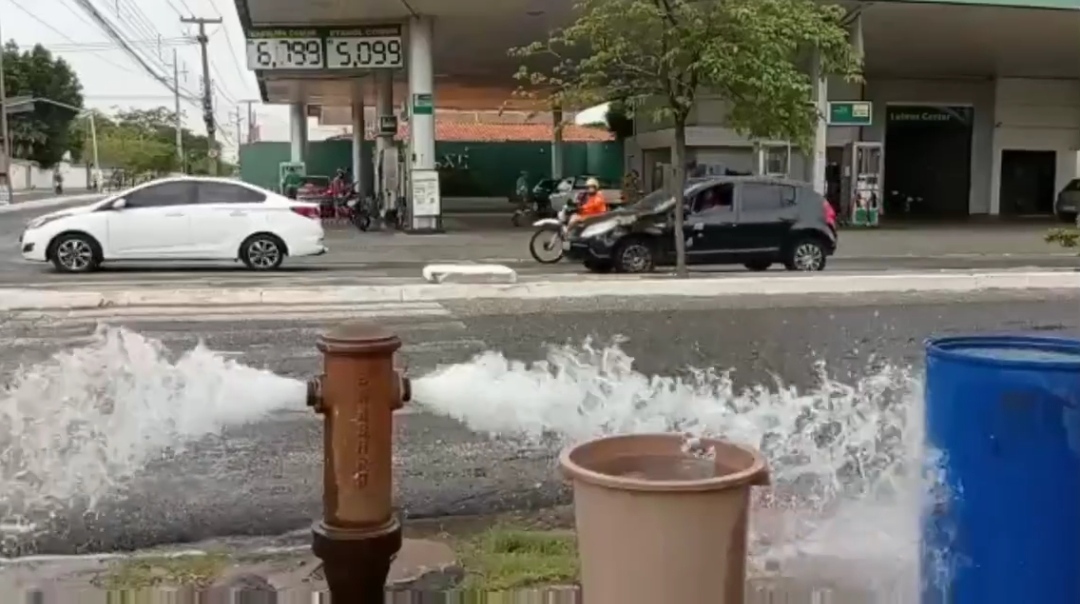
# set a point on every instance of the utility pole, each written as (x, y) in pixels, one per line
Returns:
(179, 115)
(239, 134)
(250, 120)
(208, 90)
(5, 132)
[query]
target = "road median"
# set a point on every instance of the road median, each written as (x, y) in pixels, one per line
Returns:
(19, 299)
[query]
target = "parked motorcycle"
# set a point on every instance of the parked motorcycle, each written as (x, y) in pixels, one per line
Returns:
(546, 245)
(535, 210)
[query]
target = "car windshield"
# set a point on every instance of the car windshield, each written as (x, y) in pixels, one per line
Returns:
(659, 200)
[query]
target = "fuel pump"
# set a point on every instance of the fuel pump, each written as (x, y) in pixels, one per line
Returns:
(387, 170)
(860, 187)
(773, 159)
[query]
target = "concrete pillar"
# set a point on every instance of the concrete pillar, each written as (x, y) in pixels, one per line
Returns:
(384, 106)
(557, 164)
(360, 172)
(821, 132)
(298, 132)
(425, 204)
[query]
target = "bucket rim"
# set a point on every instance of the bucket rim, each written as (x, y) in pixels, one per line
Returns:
(946, 348)
(756, 474)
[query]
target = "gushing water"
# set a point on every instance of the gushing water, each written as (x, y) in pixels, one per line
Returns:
(845, 458)
(77, 427)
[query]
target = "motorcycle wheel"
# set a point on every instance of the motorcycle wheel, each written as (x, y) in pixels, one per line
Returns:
(516, 219)
(361, 221)
(546, 244)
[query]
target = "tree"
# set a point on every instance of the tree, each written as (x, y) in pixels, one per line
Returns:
(658, 55)
(42, 135)
(619, 120)
(143, 141)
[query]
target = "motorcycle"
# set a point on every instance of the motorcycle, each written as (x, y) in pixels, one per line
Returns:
(359, 210)
(550, 234)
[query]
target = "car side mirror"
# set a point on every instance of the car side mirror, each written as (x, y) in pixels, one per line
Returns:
(119, 204)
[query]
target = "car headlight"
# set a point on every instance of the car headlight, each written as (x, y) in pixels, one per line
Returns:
(600, 228)
(37, 223)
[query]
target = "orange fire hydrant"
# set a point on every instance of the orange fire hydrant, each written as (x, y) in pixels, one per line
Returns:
(357, 394)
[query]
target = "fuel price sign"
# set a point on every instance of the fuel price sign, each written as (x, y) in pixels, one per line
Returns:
(286, 49)
(377, 47)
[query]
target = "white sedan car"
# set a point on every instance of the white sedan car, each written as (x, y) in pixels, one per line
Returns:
(171, 219)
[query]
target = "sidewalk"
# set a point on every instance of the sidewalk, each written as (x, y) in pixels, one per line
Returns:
(115, 298)
(38, 200)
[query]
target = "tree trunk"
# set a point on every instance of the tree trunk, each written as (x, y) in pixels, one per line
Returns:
(678, 176)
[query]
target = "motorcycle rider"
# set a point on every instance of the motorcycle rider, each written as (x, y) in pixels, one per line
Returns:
(592, 203)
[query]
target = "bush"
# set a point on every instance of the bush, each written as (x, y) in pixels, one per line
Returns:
(1064, 237)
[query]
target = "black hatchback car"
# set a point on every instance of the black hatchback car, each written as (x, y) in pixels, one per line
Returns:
(753, 221)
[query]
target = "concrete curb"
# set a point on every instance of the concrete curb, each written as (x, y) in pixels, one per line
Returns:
(38, 299)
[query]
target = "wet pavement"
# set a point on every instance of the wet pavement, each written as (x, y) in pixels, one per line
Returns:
(265, 478)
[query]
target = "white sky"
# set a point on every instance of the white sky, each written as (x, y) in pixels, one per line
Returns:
(111, 78)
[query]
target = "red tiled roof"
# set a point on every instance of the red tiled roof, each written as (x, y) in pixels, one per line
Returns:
(477, 132)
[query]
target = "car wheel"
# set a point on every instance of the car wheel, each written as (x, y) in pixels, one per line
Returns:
(758, 265)
(75, 253)
(805, 255)
(262, 252)
(599, 266)
(634, 256)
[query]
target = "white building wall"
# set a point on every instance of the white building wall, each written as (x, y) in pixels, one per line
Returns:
(1036, 115)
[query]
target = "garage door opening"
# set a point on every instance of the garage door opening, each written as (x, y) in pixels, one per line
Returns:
(1027, 182)
(927, 161)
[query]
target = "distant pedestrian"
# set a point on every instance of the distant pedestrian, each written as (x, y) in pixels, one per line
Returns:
(631, 187)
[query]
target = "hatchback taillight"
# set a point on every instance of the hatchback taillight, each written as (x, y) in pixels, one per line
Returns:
(306, 211)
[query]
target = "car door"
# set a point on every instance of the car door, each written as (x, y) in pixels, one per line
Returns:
(710, 224)
(764, 214)
(224, 215)
(153, 222)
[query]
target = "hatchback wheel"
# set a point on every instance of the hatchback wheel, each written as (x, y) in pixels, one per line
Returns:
(262, 252)
(805, 255)
(75, 254)
(634, 256)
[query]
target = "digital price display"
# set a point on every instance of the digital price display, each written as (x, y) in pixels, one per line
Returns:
(373, 47)
(286, 49)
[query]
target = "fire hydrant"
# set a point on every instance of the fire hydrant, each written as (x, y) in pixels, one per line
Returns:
(360, 533)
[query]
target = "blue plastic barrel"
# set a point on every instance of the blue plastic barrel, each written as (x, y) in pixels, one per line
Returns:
(1003, 412)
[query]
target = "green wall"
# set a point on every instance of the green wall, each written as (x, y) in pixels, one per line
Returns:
(466, 169)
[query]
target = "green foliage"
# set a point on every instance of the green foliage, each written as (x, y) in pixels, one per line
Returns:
(143, 141)
(1067, 238)
(43, 135)
(620, 121)
(751, 53)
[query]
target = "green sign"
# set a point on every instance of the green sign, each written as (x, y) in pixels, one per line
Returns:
(851, 113)
(423, 104)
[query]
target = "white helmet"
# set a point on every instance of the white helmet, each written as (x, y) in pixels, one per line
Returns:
(592, 182)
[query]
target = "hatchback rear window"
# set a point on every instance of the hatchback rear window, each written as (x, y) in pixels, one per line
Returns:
(1074, 185)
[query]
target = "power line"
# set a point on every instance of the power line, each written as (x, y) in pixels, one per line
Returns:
(112, 32)
(50, 26)
(237, 63)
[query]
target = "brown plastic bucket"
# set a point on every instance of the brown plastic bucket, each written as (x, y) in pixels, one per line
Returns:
(655, 524)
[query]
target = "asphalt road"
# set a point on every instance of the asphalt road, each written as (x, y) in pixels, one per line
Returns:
(358, 257)
(264, 478)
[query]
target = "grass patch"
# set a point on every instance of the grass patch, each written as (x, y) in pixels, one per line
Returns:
(505, 557)
(153, 571)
